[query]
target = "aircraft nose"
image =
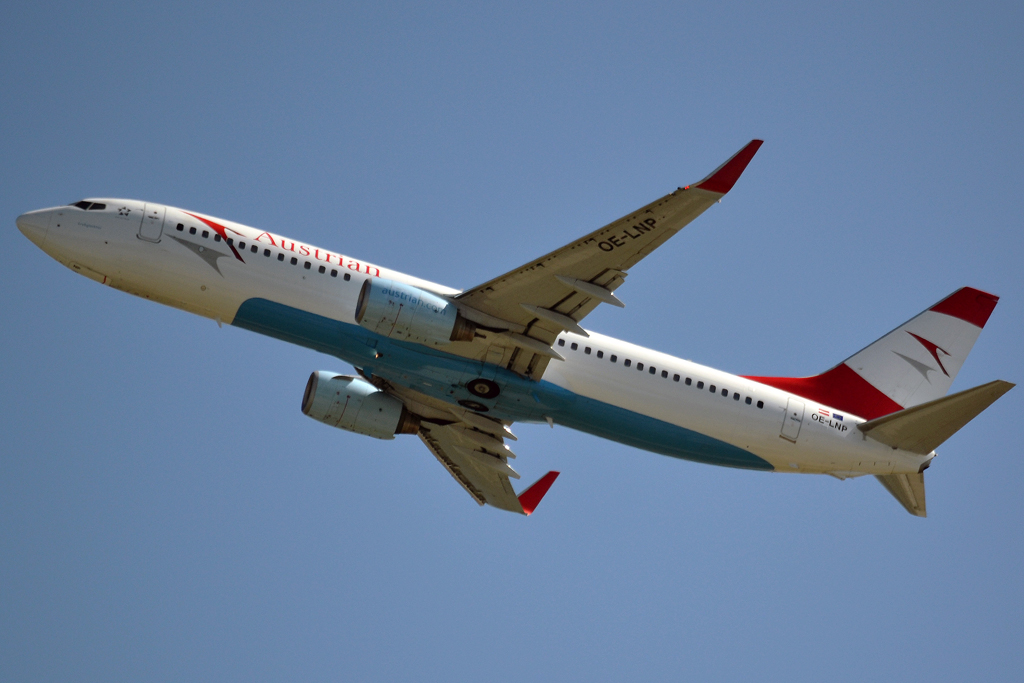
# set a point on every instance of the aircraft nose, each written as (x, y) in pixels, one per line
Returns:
(34, 225)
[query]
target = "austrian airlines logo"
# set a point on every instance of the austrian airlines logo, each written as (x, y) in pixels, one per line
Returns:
(220, 230)
(933, 349)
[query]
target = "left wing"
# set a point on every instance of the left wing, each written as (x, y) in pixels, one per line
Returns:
(527, 308)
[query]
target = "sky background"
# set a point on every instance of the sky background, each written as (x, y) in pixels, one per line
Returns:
(166, 511)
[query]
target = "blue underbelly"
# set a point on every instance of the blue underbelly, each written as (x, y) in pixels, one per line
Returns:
(444, 376)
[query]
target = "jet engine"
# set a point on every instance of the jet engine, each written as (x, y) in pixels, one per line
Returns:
(401, 311)
(356, 405)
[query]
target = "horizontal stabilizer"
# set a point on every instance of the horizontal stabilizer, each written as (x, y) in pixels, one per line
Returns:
(908, 489)
(924, 427)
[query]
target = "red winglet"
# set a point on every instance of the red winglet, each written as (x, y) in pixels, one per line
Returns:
(726, 175)
(530, 498)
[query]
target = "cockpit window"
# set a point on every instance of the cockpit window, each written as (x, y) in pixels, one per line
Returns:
(89, 206)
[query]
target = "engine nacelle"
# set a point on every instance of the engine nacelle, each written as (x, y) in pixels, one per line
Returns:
(356, 405)
(401, 311)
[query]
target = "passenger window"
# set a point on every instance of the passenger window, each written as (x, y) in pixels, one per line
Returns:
(348, 276)
(587, 350)
(206, 233)
(626, 362)
(675, 378)
(725, 392)
(712, 388)
(574, 346)
(664, 373)
(334, 272)
(307, 265)
(241, 245)
(748, 400)
(600, 354)
(216, 238)
(735, 397)
(614, 358)
(760, 404)
(231, 240)
(652, 370)
(561, 342)
(266, 252)
(639, 366)
(322, 269)
(688, 381)
(254, 249)
(280, 257)
(700, 385)
(180, 227)
(294, 260)
(191, 231)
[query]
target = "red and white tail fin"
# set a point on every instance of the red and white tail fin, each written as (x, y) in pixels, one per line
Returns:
(913, 364)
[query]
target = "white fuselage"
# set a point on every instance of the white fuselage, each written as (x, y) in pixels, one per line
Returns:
(207, 276)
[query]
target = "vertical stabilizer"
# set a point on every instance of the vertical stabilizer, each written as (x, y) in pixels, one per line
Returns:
(913, 364)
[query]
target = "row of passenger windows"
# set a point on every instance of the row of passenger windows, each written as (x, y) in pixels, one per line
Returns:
(651, 370)
(89, 206)
(253, 248)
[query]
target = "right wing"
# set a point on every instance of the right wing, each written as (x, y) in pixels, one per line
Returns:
(476, 460)
(480, 465)
(472, 448)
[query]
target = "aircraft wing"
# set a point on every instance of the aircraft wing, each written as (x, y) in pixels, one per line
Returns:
(472, 448)
(482, 469)
(527, 308)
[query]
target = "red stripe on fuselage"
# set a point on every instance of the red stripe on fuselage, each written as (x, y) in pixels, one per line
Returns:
(840, 388)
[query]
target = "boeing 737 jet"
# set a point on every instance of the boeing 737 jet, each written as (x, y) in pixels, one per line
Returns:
(458, 368)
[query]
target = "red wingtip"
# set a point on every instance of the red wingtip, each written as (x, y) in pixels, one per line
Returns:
(726, 175)
(530, 498)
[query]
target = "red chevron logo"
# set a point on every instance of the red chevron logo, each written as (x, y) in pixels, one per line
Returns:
(932, 349)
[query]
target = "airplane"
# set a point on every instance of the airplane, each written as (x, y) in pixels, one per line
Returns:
(458, 368)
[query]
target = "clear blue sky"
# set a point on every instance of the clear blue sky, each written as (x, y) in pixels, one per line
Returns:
(166, 511)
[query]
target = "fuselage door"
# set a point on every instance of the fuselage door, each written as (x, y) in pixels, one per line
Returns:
(152, 223)
(793, 420)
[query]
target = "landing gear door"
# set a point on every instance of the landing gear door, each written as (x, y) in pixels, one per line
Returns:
(793, 420)
(152, 223)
